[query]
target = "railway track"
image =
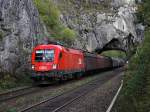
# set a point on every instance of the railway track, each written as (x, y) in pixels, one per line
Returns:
(10, 95)
(16, 93)
(56, 103)
(4, 97)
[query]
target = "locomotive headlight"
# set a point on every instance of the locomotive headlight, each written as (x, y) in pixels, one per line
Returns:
(33, 67)
(54, 66)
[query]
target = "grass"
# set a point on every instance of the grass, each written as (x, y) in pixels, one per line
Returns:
(114, 53)
(12, 110)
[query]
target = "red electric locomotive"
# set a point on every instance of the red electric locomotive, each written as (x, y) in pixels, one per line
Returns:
(51, 62)
(56, 62)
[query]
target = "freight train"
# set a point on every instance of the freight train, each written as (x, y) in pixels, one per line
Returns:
(56, 62)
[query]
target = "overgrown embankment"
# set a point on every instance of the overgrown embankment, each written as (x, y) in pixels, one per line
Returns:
(135, 95)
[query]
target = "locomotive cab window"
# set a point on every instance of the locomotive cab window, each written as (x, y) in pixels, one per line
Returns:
(44, 55)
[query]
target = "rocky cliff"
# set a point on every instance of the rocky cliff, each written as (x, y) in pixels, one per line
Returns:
(97, 22)
(19, 22)
(100, 22)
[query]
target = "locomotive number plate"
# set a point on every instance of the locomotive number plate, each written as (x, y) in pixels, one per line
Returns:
(42, 67)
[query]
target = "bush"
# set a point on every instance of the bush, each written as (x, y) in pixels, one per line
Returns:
(144, 12)
(7, 82)
(50, 14)
(68, 33)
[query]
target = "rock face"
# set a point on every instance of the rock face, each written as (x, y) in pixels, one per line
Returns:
(97, 26)
(19, 24)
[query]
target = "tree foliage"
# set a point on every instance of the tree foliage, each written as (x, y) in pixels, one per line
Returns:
(136, 91)
(144, 12)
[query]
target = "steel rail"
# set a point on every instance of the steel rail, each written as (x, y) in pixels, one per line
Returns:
(54, 97)
(9, 95)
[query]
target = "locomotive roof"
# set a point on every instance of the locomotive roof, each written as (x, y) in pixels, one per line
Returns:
(49, 46)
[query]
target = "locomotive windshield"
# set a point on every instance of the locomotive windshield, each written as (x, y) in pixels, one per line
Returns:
(44, 55)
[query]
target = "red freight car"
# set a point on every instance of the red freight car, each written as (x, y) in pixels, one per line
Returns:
(55, 61)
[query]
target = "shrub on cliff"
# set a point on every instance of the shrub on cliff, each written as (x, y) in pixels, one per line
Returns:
(50, 14)
(68, 33)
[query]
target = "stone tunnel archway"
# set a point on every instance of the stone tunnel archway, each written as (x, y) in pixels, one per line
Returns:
(114, 44)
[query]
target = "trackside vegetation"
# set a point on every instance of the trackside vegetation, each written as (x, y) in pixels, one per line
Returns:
(50, 15)
(114, 53)
(8, 82)
(135, 95)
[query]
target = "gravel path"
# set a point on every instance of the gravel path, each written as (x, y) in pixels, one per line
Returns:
(97, 100)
